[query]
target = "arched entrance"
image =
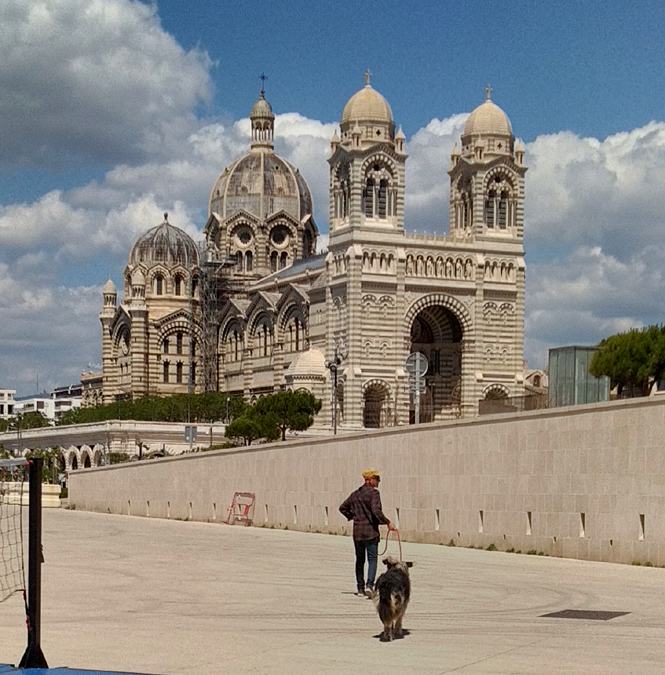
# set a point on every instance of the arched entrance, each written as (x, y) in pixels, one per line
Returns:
(437, 333)
(495, 400)
(376, 405)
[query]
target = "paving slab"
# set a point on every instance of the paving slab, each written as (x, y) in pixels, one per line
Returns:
(170, 597)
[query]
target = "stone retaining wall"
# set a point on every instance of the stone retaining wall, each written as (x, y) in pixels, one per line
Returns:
(582, 482)
(19, 493)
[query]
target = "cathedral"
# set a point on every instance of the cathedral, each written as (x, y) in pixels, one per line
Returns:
(255, 309)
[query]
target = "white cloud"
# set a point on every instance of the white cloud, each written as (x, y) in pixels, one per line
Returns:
(588, 295)
(582, 191)
(40, 325)
(427, 181)
(94, 79)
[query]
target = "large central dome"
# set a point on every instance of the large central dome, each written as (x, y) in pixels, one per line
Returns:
(261, 182)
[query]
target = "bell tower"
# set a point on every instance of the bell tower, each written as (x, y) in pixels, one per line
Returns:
(263, 122)
(367, 167)
(487, 177)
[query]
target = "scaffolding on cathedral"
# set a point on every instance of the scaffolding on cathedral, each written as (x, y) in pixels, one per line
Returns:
(215, 285)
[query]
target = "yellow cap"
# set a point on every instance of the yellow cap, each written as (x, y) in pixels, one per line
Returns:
(371, 473)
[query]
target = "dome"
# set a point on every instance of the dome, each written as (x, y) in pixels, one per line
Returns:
(367, 105)
(166, 244)
(311, 363)
(262, 108)
(261, 183)
(488, 119)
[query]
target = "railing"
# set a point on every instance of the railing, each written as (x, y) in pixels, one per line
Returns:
(495, 406)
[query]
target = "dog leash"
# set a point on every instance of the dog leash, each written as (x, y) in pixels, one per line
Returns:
(399, 541)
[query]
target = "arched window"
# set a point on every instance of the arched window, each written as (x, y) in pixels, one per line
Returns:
(368, 198)
(166, 345)
(283, 260)
(165, 367)
(178, 285)
(273, 261)
(498, 212)
(159, 284)
(178, 343)
(178, 372)
(490, 203)
(248, 261)
(265, 340)
(503, 210)
(383, 198)
(468, 211)
(192, 373)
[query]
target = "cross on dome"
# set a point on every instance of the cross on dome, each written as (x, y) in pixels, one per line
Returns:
(488, 92)
(368, 76)
(263, 77)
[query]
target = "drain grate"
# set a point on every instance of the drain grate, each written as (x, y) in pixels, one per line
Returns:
(595, 615)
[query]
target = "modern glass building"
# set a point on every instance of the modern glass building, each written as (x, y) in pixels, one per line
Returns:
(570, 382)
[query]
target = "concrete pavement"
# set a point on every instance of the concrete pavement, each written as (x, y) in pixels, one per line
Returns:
(158, 596)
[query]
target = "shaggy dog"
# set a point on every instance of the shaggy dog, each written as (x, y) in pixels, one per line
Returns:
(391, 597)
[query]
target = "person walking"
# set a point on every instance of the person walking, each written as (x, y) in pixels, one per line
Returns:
(363, 506)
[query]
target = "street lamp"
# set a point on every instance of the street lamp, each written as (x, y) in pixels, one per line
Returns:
(333, 365)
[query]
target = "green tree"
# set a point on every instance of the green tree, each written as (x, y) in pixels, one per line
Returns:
(207, 407)
(632, 360)
(288, 410)
(30, 420)
(247, 427)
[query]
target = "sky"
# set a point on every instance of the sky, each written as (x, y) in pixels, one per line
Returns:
(114, 111)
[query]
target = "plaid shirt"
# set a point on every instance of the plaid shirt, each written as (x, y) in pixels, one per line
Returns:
(363, 506)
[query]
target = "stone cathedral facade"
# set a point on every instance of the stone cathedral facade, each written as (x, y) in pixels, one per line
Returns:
(292, 318)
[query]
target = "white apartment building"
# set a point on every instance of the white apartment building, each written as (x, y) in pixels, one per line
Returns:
(7, 403)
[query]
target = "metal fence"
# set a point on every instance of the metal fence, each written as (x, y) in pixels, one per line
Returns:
(494, 406)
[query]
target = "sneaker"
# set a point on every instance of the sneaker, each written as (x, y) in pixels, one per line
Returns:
(369, 593)
(360, 593)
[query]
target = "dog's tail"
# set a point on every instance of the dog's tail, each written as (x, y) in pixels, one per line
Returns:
(389, 603)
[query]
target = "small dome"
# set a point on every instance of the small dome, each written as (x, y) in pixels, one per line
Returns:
(488, 119)
(109, 288)
(262, 108)
(311, 363)
(165, 244)
(367, 105)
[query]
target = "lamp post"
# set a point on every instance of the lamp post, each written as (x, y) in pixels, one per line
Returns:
(333, 366)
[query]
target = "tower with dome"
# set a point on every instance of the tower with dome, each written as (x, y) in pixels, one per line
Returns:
(342, 323)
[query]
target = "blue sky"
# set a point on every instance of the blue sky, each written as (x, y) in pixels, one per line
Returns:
(113, 111)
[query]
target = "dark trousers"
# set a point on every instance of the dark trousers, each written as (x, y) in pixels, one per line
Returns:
(366, 548)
